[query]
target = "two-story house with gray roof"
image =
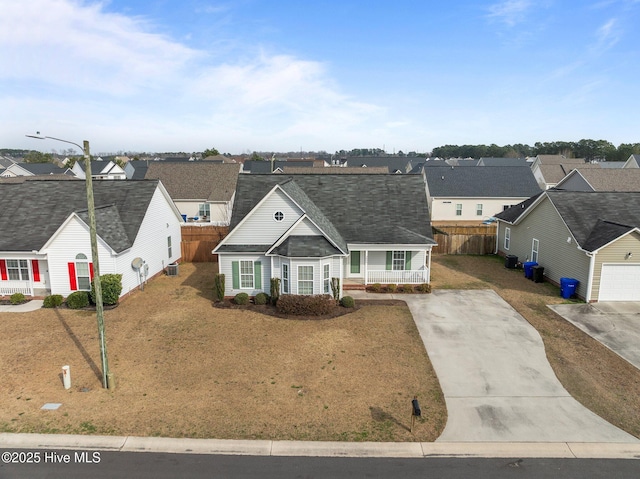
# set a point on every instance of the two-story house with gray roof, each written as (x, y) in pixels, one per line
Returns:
(203, 191)
(464, 195)
(44, 241)
(593, 237)
(308, 229)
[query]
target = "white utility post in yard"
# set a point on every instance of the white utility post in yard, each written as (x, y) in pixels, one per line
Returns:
(107, 377)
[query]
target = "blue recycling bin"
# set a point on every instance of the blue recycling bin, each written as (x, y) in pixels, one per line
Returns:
(568, 287)
(528, 268)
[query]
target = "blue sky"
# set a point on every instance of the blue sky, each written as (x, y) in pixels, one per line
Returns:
(281, 75)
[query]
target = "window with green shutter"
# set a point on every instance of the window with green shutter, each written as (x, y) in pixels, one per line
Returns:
(355, 262)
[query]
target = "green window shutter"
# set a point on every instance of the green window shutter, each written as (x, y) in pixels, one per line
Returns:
(355, 262)
(407, 260)
(389, 259)
(235, 271)
(257, 275)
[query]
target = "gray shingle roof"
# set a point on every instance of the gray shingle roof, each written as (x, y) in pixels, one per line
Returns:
(484, 182)
(376, 209)
(611, 179)
(43, 168)
(502, 162)
(196, 180)
(392, 163)
(594, 218)
(306, 247)
(34, 210)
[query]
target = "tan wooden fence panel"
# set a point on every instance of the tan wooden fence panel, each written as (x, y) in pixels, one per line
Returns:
(198, 241)
(465, 239)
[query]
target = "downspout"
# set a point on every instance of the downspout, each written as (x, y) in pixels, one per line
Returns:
(497, 236)
(592, 264)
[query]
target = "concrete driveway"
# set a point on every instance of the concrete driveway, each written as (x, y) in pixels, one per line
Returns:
(614, 324)
(497, 382)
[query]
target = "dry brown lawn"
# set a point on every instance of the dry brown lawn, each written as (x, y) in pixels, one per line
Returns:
(186, 369)
(598, 378)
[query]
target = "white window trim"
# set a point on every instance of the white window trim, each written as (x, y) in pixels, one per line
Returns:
(252, 274)
(169, 247)
(19, 269)
(535, 248)
(285, 278)
(394, 259)
(507, 238)
(313, 272)
(479, 208)
(82, 260)
(277, 213)
(204, 210)
(326, 278)
(458, 209)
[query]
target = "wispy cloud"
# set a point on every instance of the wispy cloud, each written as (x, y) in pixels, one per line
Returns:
(608, 35)
(510, 12)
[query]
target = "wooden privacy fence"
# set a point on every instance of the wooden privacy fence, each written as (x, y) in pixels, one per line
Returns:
(198, 241)
(479, 239)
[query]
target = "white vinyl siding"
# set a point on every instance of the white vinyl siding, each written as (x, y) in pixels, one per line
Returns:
(615, 253)
(260, 227)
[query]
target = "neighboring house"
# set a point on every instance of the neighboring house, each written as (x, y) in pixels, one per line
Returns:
(632, 162)
(266, 167)
(462, 194)
(333, 170)
(203, 191)
(136, 169)
(308, 229)
(33, 169)
(593, 237)
(550, 169)
(99, 170)
(606, 179)
(45, 247)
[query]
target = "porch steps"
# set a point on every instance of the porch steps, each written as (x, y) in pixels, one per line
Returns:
(353, 287)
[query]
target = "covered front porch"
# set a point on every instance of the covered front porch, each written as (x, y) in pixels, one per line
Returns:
(7, 288)
(401, 266)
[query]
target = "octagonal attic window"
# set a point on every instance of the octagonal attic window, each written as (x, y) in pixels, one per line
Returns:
(278, 216)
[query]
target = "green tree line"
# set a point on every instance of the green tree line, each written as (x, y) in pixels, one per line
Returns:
(588, 149)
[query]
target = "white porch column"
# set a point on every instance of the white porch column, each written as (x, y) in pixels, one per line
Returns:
(429, 265)
(366, 267)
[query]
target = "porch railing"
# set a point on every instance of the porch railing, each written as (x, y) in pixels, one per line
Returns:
(7, 288)
(398, 277)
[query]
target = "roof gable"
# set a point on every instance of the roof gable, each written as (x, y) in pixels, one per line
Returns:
(36, 209)
(197, 180)
(373, 209)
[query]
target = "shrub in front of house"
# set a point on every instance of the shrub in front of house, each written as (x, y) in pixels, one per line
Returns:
(52, 301)
(78, 300)
(241, 298)
(218, 287)
(424, 288)
(111, 285)
(407, 288)
(261, 298)
(17, 298)
(348, 302)
(375, 288)
(391, 288)
(304, 305)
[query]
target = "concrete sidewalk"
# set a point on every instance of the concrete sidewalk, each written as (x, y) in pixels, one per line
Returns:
(496, 379)
(318, 449)
(32, 305)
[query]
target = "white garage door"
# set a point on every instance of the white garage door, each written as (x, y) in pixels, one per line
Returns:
(620, 282)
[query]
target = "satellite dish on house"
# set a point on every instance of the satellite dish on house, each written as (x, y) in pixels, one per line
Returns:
(137, 263)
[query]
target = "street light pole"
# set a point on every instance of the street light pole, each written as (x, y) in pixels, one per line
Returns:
(107, 377)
